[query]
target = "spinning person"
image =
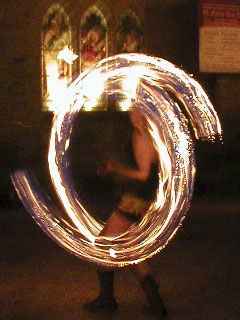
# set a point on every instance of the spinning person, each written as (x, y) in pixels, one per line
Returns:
(134, 203)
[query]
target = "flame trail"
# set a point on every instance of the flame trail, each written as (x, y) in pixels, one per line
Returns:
(156, 87)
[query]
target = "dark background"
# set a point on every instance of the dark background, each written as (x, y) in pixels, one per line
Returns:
(199, 269)
(170, 30)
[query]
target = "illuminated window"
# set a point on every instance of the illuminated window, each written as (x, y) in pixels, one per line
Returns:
(93, 39)
(129, 35)
(129, 40)
(57, 56)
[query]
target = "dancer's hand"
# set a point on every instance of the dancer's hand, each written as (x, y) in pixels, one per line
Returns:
(106, 167)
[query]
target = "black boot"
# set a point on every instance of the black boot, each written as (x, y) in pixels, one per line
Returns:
(155, 302)
(105, 302)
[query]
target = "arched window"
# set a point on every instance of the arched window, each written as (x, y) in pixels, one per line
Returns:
(93, 38)
(129, 34)
(56, 55)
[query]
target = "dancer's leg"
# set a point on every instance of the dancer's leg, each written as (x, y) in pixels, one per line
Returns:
(106, 302)
(147, 282)
(116, 224)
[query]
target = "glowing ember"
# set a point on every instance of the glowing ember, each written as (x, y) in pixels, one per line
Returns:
(154, 79)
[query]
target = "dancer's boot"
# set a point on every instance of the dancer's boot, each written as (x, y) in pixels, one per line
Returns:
(154, 299)
(105, 302)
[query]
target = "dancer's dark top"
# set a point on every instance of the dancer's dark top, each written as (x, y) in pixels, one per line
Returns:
(145, 190)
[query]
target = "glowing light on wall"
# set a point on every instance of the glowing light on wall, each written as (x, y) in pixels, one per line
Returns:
(67, 55)
(56, 83)
(169, 128)
(56, 67)
(125, 104)
(130, 83)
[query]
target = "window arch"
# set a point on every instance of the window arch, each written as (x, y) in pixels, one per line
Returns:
(129, 33)
(93, 38)
(56, 55)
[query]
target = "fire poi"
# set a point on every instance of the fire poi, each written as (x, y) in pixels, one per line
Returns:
(152, 83)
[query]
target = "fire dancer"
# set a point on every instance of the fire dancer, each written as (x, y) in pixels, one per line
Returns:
(134, 203)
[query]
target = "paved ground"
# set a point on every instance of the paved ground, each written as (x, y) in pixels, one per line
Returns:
(198, 271)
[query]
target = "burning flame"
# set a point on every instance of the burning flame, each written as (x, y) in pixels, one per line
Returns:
(169, 128)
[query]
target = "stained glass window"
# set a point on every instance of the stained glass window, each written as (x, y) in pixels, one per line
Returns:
(129, 35)
(93, 40)
(57, 56)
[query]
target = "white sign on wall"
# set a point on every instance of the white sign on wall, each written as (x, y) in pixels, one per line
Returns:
(219, 36)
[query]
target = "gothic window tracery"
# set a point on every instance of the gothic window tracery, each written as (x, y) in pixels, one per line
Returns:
(129, 35)
(56, 55)
(93, 40)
